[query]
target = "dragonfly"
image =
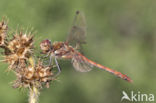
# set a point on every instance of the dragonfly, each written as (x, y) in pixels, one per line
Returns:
(69, 49)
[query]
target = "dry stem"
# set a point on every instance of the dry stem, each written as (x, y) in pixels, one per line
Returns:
(33, 94)
(33, 91)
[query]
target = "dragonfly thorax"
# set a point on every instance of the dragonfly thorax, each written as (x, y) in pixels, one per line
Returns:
(62, 50)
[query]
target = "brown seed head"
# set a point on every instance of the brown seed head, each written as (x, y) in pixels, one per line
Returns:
(38, 76)
(20, 41)
(20, 48)
(3, 32)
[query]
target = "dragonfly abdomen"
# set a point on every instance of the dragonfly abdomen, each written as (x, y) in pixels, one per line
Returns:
(118, 74)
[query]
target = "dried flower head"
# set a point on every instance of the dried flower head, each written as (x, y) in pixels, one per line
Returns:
(19, 54)
(3, 32)
(19, 42)
(20, 48)
(15, 62)
(37, 76)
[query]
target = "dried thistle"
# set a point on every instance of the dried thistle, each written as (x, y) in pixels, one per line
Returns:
(3, 32)
(19, 54)
(19, 50)
(37, 76)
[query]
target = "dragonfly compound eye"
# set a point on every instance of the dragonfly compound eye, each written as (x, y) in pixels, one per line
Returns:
(45, 46)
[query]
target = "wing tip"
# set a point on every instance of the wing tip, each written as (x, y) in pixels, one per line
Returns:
(77, 12)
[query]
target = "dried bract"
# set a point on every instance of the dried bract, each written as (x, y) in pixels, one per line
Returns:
(38, 76)
(19, 54)
(20, 48)
(3, 32)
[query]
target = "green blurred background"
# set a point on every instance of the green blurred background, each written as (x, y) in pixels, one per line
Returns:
(121, 34)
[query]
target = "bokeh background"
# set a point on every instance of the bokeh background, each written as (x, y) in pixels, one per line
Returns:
(121, 34)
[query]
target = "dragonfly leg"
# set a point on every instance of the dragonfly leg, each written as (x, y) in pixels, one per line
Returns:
(77, 46)
(50, 60)
(47, 55)
(58, 67)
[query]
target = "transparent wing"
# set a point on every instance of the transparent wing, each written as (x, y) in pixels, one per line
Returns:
(83, 64)
(77, 34)
(80, 65)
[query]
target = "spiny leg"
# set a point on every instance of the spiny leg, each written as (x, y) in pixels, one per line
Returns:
(43, 57)
(58, 67)
(47, 55)
(50, 60)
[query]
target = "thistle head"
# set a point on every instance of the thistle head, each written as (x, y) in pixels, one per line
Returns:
(3, 32)
(18, 49)
(37, 76)
(20, 41)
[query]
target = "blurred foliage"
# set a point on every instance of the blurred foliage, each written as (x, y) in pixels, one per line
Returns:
(121, 34)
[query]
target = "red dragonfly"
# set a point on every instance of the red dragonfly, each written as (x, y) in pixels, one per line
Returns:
(66, 50)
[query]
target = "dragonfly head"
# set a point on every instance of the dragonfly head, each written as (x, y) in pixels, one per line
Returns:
(46, 46)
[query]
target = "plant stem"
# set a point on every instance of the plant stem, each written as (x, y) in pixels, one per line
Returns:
(32, 62)
(34, 94)
(33, 91)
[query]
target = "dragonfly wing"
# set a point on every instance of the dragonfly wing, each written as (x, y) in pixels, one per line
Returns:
(80, 65)
(77, 34)
(79, 59)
